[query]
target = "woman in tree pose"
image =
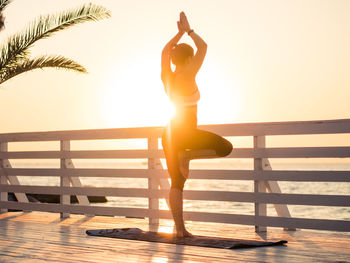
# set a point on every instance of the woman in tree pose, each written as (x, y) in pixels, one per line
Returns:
(181, 140)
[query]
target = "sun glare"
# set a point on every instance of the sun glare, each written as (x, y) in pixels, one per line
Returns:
(133, 97)
(220, 96)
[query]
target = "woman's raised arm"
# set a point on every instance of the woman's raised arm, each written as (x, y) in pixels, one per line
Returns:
(166, 68)
(198, 58)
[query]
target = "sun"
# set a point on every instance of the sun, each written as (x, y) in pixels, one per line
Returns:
(134, 97)
(221, 98)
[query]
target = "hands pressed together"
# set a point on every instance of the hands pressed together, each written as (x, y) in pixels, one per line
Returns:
(183, 24)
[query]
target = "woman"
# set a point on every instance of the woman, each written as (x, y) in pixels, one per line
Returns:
(181, 140)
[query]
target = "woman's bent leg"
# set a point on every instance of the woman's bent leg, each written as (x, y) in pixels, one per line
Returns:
(197, 154)
(199, 144)
(203, 144)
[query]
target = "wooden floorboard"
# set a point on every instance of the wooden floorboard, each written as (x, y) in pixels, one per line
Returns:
(44, 237)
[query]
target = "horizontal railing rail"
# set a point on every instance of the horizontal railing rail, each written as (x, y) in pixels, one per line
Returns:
(270, 198)
(295, 152)
(243, 129)
(273, 175)
(265, 180)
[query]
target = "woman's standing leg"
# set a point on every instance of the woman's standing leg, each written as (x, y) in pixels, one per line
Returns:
(176, 206)
(194, 145)
(177, 185)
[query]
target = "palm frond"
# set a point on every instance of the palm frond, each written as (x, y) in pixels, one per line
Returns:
(39, 63)
(17, 46)
(4, 3)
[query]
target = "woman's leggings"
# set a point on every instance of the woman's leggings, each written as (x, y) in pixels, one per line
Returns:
(181, 138)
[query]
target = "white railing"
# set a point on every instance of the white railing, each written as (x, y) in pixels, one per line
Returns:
(266, 188)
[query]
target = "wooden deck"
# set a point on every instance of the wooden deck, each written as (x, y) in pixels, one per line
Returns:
(44, 237)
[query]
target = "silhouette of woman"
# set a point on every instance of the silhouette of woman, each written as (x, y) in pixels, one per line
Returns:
(181, 140)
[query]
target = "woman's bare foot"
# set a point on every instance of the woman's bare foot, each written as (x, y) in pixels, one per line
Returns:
(184, 233)
(184, 165)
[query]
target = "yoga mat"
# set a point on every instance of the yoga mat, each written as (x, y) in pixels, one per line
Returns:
(201, 241)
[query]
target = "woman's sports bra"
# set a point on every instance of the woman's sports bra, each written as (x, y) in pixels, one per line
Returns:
(186, 100)
(179, 99)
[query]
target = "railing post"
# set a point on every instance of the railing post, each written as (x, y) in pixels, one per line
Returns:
(259, 186)
(163, 182)
(273, 187)
(3, 179)
(13, 180)
(75, 181)
(153, 184)
(64, 180)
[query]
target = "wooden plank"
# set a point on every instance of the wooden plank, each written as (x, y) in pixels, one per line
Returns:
(153, 184)
(215, 217)
(305, 176)
(13, 180)
(78, 209)
(222, 174)
(260, 208)
(163, 181)
(273, 187)
(64, 181)
(5, 163)
(270, 198)
(116, 173)
(74, 181)
(266, 198)
(306, 223)
(133, 192)
(96, 191)
(124, 154)
(132, 173)
(3, 192)
(99, 154)
(272, 175)
(33, 155)
(291, 152)
(281, 128)
(305, 199)
(33, 171)
(99, 134)
(219, 196)
(82, 199)
(242, 129)
(83, 172)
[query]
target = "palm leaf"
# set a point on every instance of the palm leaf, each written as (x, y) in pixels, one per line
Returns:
(39, 63)
(18, 45)
(4, 3)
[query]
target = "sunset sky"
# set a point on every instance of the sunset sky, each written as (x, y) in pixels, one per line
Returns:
(267, 60)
